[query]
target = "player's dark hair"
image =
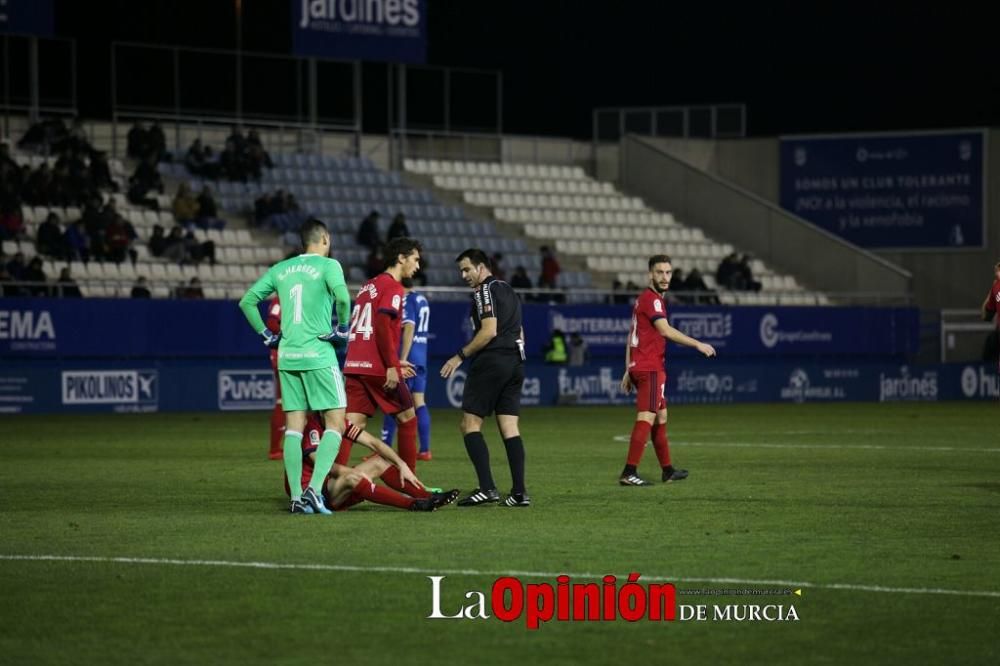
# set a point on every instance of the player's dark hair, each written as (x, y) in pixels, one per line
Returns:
(659, 259)
(475, 255)
(312, 231)
(399, 246)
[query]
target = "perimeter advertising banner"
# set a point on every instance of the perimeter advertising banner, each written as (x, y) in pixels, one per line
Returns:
(904, 191)
(44, 387)
(382, 30)
(155, 329)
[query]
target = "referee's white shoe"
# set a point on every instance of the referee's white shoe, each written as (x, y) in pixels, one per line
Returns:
(479, 497)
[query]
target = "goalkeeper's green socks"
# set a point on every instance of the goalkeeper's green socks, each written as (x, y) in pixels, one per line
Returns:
(326, 453)
(292, 455)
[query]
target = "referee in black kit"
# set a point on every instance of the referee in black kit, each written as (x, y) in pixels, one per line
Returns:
(494, 380)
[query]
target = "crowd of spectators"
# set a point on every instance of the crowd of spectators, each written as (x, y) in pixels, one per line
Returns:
(243, 158)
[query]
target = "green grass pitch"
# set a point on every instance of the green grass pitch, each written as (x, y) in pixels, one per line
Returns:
(868, 507)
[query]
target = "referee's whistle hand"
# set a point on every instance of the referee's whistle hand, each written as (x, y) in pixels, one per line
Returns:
(450, 366)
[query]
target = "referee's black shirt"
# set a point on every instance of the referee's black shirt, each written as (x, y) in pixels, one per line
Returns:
(495, 298)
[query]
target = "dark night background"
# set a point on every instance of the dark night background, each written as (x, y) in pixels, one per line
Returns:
(799, 67)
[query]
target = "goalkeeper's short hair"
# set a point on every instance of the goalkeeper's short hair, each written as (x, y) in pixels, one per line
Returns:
(312, 231)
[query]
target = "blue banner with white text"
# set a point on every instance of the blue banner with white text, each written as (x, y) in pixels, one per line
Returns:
(381, 30)
(888, 190)
(155, 329)
(111, 386)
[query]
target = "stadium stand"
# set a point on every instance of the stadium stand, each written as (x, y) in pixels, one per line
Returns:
(611, 232)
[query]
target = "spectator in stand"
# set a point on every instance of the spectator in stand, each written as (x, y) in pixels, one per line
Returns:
(208, 211)
(496, 267)
(44, 135)
(157, 241)
(192, 290)
(76, 242)
(66, 286)
(194, 159)
(145, 179)
(197, 251)
(185, 206)
(702, 294)
(157, 144)
(678, 288)
(137, 142)
(257, 148)
(139, 289)
(550, 269)
(728, 273)
(263, 208)
(50, 238)
(37, 186)
(549, 277)
(746, 274)
(11, 222)
(16, 267)
(374, 265)
(398, 228)
(34, 274)
(100, 173)
(174, 248)
(368, 232)
(231, 162)
(520, 279)
(119, 237)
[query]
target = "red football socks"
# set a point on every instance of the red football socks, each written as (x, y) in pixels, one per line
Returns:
(661, 444)
(391, 478)
(375, 493)
(637, 443)
(408, 442)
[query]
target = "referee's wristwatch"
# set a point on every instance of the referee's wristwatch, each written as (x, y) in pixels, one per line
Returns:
(460, 354)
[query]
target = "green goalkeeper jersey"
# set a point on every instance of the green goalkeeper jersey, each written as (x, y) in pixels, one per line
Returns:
(307, 286)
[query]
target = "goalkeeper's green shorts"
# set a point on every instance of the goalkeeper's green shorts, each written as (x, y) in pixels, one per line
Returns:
(312, 390)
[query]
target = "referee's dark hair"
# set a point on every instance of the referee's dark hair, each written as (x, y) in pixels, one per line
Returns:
(475, 255)
(399, 246)
(312, 231)
(659, 259)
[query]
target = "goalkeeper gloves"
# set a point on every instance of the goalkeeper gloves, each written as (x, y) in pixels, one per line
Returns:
(270, 339)
(337, 337)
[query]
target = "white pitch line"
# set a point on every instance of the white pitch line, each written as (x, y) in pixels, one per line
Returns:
(825, 447)
(474, 572)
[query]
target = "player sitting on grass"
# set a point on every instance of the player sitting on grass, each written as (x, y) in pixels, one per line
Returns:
(346, 486)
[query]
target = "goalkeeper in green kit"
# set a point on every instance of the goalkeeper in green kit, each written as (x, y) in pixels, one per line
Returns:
(308, 286)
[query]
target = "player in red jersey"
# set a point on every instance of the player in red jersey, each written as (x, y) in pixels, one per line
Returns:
(992, 303)
(373, 371)
(346, 486)
(273, 324)
(645, 372)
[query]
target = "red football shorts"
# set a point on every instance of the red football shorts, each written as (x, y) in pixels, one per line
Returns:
(365, 394)
(650, 390)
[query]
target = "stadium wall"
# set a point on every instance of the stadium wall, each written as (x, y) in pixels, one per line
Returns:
(735, 215)
(941, 279)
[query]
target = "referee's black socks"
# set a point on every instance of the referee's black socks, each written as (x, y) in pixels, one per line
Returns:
(515, 457)
(475, 445)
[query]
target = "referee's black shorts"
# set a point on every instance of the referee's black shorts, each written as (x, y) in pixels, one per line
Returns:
(494, 384)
